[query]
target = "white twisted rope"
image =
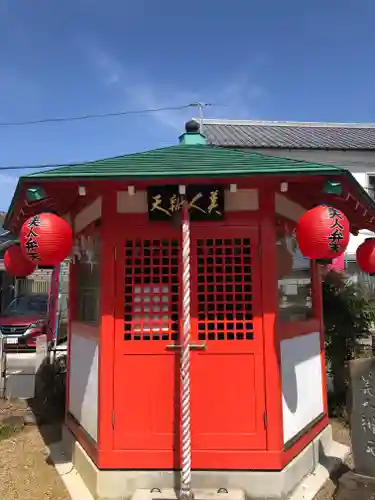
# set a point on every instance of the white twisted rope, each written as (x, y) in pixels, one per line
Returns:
(186, 492)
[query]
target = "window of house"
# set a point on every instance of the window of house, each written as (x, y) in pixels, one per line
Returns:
(371, 185)
(294, 282)
(88, 282)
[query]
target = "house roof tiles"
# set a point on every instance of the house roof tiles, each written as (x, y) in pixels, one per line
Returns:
(289, 135)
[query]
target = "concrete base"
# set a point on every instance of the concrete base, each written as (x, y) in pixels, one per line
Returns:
(68, 473)
(355, 486)
(323, 452)
(20, 375)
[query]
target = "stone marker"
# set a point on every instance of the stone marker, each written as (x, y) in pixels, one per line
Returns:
(362, 414)
(354, 486)
(360, 484)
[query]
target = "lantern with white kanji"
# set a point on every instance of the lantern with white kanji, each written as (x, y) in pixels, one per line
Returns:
(46, 239)
(323, 233)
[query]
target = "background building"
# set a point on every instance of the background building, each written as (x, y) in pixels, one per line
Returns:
(347, 145)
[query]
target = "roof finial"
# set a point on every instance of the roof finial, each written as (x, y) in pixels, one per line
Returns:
(192, 136)
(192, 127)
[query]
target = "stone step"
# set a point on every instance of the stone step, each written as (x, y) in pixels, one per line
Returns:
(199, 494)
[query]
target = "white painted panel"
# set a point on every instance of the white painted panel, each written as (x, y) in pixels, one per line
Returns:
(302, 384)
(88, 215)
(83, 379)
(241, 200)
(132, 204)
(288, 208)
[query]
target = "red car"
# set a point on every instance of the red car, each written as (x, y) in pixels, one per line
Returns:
(23, 321)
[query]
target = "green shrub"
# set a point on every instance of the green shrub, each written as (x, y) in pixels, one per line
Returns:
(5, 431)
(349, 313)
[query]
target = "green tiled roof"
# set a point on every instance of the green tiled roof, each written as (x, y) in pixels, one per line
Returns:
(184, 161)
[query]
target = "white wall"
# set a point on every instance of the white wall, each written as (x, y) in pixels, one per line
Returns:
(302, 383)
(355, 241)
(359, 163)
(83, 377)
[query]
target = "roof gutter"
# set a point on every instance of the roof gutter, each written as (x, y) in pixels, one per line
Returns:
(339, 172)
(362, 193)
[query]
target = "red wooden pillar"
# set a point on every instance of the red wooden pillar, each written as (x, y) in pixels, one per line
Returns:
(72, 312)
(318, 309)
(107, 338)
(274, 416)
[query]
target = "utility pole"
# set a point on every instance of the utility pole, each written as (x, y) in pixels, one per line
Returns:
(201, 106)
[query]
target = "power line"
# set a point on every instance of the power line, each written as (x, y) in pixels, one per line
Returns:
(199, 105)
(38, 167)
(105, 115)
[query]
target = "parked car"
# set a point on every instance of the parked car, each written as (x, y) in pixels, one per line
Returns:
(23, 321)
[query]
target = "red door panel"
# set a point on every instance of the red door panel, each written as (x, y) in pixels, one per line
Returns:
(227, 384)
(227, 393)
(145, 402)
(225, 406)
(147, 323)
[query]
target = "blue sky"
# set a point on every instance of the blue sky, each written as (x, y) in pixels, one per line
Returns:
(289, 60)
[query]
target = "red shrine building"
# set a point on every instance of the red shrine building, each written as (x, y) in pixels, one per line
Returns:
(259, 419)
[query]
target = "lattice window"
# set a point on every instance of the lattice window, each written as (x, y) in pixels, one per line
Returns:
(224, 289)
(151, 290)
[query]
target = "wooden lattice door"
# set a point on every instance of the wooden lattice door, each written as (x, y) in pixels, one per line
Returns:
(227, 372)
(147, 366)
(227, 394)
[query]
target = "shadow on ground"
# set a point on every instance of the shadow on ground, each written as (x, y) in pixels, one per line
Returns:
(48, 404)
(338, 469)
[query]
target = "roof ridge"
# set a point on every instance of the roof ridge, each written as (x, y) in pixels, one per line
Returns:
(270, 123)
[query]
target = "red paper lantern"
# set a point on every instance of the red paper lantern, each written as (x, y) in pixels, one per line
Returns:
(366, 256)
(323, 233)
(16, 264)
(46, 239)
